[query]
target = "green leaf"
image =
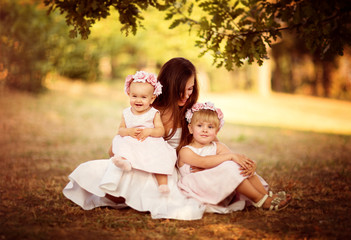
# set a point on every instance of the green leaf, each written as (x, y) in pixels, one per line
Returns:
(245, 2)
(175, 23)
(169, 16)
(190, 9)
(73, 33)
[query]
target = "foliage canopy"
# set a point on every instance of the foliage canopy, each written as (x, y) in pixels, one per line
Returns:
(24, 40)
(232, 31)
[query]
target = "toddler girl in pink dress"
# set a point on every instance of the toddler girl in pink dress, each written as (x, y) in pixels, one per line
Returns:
(139, 143)
(226, 180)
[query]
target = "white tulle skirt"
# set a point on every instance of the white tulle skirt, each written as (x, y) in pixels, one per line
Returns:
(92, 180)
(152, 155)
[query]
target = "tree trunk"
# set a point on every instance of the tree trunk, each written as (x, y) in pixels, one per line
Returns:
(326, 65)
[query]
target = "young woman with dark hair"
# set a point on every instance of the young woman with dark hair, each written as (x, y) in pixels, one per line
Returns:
(100, 183)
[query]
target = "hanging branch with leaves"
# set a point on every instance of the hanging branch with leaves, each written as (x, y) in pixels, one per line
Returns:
(231, 31)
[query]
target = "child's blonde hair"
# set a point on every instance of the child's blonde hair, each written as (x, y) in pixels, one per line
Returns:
(206, 115)
(205, 112)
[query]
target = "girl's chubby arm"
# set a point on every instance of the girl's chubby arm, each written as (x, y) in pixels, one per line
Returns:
(186, 155)
(157, 131)
(248, 166)
(124, 131)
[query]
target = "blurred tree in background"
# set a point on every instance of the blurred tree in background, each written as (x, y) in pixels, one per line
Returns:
(79, 59)
(32, 44)
(296, 70)
(302, 39)
(25, 41)
(239, 31)
(231, 30)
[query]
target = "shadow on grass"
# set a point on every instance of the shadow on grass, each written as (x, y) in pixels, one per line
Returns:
(44, 138)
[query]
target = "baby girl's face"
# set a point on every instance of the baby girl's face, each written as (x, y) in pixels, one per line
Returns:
(141, 97)
(203, 132)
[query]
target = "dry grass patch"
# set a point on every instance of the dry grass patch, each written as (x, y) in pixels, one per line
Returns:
(43, 138)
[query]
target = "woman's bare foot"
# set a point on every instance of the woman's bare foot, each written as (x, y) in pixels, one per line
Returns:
(122, 163)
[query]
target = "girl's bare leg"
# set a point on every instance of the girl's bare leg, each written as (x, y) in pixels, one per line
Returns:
(162, 181)
(256, 183)
(247, 189)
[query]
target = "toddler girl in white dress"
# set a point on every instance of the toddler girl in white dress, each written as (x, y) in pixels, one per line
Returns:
(139, 143)
(214, 175)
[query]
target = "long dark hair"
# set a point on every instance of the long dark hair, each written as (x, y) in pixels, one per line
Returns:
(173, 76)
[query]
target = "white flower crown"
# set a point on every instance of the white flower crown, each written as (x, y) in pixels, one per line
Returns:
(207, 105)
(142, 76)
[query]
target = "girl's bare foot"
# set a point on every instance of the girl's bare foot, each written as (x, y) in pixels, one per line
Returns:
(163, 189)
(122, 163)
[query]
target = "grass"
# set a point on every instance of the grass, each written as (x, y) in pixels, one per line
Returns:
(43, 138)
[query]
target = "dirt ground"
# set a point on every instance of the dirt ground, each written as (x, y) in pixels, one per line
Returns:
(43, 138)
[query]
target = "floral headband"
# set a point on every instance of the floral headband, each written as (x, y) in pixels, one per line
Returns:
(143, 77)
(200, 106)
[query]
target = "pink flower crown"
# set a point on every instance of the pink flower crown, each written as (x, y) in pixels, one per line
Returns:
(207, 105)
(143, 77)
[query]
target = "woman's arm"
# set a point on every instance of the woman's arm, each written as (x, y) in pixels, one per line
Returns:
(110, 153)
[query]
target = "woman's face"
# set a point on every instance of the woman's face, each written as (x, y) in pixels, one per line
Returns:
(189, 87)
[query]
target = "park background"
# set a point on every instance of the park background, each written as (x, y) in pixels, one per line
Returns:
(62, 100)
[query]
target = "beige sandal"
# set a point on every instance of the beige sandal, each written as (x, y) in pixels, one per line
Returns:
(261, 202)
(274, 203)
(281, 194)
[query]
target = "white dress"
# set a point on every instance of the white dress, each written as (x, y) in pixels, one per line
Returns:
(152, 155)
(92, 180)
(214, 187)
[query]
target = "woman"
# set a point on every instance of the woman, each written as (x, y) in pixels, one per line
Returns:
(96, 183)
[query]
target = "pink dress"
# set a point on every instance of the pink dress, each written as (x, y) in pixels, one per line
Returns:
(215, 187)
(152, 155)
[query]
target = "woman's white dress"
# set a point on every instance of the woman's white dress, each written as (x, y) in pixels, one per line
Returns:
(91, 180)
(214, 187)
(152, 155)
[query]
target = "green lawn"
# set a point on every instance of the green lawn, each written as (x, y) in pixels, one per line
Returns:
(43, 138)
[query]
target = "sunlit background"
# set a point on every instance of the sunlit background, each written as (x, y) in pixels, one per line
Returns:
(290, 90)
(61, 101)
